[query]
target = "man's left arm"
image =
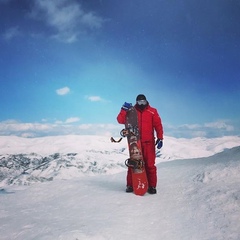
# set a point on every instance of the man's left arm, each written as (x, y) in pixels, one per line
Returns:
(157, 124)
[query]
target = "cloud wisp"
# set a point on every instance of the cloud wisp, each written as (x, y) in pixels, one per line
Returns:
(63, 91)
(68, 127)
(94, 98)
(11, 33)
(71, 126)
(67, 19)
(212, 129)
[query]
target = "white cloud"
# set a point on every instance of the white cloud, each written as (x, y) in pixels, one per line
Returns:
(58, 128)
(91, 20)
(94, 98)
(211, 129)
(70, 126)
(66, 18)
(68, 121)
(27, 129)
(220, 125)
(85, 126)
(72, 120)
(11, 33)
(63, 91)
(191, 126)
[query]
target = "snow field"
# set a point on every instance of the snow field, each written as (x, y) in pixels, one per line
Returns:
(198, 198)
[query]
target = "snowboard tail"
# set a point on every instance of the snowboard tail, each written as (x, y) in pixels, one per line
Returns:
(139, 178)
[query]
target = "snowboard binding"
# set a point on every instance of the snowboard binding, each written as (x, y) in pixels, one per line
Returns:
(126, 132)
(135, 164)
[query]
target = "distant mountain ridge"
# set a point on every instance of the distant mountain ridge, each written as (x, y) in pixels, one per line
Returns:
(94, 155)
(24, 169)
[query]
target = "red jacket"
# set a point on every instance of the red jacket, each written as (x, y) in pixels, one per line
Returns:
(148, 121)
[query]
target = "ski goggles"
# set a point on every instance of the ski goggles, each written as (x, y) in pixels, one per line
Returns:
(142, 102)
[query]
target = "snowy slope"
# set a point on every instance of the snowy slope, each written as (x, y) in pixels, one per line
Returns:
(198, 197)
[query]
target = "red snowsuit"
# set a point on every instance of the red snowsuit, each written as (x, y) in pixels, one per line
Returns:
(148, 121)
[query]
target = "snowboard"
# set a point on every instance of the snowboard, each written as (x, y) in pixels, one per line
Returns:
(135, 161)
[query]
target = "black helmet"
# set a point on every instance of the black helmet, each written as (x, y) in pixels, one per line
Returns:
(141, 97)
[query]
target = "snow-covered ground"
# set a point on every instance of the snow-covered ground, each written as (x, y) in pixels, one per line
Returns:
(73, 187)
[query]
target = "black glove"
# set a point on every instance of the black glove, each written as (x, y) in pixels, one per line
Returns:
(159, 143)
(126, 106)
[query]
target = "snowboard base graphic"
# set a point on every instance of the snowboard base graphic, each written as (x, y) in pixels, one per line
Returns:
(135, 161)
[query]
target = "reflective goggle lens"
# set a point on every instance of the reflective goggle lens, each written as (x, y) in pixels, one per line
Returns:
(141, 102)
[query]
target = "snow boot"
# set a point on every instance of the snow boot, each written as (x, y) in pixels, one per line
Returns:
(129, 189)
(152, 190)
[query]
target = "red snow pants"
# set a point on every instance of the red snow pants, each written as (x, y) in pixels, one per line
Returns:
(149, 155)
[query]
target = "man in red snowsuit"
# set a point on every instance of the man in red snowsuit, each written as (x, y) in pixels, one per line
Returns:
(148, 122)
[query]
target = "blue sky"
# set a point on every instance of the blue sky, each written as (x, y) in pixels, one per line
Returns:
(67, 66)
